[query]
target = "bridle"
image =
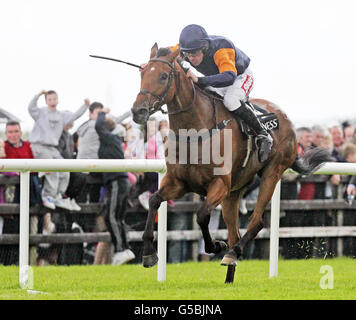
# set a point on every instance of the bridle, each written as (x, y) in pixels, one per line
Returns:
(157, 104)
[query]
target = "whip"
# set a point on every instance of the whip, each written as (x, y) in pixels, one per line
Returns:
(117, 60)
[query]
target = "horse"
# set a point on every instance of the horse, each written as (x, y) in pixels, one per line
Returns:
(164, 82)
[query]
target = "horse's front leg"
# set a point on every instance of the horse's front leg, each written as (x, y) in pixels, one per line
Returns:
(150, 258)
(217, 192)
(170, 189)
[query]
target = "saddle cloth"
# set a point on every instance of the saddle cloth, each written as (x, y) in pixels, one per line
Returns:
(268, 120)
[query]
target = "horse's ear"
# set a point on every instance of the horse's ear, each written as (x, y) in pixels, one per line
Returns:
(154, 50)
(174, 55)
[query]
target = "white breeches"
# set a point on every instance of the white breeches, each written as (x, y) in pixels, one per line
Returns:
(238, 91)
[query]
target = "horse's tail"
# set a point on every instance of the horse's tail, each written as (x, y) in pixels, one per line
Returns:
(311, 161)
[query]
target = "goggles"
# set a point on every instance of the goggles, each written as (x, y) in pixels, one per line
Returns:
(193, 53)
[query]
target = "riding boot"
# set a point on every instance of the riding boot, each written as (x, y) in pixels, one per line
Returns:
(264, 140)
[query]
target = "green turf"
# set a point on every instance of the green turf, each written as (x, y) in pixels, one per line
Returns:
(297, 279)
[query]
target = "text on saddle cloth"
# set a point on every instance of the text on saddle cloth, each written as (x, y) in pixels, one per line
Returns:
(269, 121)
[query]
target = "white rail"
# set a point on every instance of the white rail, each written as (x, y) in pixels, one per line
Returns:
(24, 166)
(82, 165)
(329, 168)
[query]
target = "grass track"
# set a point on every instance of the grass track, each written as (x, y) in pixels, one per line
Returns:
(297, 279)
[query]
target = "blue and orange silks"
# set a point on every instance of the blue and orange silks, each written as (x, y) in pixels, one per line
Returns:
(222, 63)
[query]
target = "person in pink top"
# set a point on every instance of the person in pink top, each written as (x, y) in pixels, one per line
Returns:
(154, 149)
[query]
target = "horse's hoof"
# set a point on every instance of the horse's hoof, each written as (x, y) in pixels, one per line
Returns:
(229, 260)
(220, 246)
(149, 261)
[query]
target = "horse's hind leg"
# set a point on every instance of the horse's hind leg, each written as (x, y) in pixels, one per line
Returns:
(230, 211)
(270, 177)
(217, 191)
(170, 189)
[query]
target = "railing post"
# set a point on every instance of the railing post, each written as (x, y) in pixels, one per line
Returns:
(274, 231)
(24, 229)
(162, 236)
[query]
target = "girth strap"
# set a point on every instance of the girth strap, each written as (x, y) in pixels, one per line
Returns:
(206, 134)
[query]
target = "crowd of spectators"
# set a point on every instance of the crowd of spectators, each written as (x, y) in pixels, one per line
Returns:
(106, 136)
(340, 141)
(103, 136)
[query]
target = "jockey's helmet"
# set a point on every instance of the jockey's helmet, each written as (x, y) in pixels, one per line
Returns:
(192, 38)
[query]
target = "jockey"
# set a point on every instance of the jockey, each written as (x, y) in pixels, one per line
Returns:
(225, 67)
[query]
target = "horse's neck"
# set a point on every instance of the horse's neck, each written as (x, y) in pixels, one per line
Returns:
(200, 116)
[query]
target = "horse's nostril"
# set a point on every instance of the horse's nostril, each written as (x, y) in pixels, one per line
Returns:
(140, 115)
(142, 111)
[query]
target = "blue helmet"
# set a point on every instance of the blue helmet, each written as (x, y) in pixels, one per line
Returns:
(192, 37)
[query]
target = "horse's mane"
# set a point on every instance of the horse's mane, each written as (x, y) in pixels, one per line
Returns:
(162, 52)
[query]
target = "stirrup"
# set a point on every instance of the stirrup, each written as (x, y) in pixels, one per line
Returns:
(264, 144)
(263, 136)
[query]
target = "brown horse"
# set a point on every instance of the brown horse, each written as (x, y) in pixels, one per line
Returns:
(163, 81)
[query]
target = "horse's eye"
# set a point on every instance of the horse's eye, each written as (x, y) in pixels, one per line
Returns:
(163, 76)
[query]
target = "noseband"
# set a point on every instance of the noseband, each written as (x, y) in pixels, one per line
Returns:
(160, 98)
